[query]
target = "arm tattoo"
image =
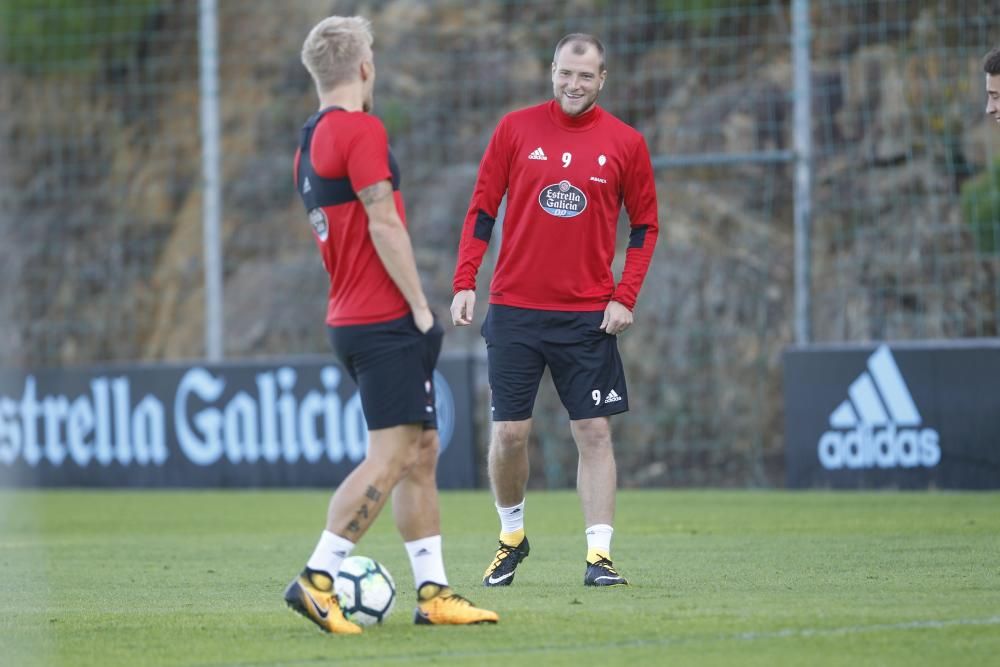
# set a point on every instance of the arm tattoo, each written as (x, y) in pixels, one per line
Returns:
(374, 193)
(373, 494)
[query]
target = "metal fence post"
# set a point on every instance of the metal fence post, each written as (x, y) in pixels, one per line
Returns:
(802, 96)
(211, 196)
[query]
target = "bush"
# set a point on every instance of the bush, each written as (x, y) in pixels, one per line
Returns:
(981, 208)
(70, 35)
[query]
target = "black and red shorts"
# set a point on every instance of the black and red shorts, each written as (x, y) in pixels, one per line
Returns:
(393, 366)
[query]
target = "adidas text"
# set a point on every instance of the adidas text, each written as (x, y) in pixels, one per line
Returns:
(537, 154)
(612, 397)
(889, 447)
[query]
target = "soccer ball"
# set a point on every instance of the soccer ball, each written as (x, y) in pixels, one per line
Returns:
(366, 589)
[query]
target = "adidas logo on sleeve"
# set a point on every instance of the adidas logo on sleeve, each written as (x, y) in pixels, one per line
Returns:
(879, 424)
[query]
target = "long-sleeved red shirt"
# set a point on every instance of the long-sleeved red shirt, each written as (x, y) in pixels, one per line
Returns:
(566, 179)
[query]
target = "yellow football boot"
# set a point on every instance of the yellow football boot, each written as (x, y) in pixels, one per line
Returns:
(439, 605)
(311, 594)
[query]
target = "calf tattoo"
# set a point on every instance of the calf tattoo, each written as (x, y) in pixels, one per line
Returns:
(371, 494)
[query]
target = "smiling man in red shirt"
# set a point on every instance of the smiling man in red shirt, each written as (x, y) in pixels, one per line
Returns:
(566, 167)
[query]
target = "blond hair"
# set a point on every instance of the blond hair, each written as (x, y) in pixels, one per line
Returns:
(334, 48)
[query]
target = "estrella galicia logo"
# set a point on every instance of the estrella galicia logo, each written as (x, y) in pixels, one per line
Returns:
(562, 199)
(317, 218)
(207, 417)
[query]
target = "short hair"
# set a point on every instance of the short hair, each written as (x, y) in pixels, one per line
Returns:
(334, 48)
(580, 42)
(991, 62)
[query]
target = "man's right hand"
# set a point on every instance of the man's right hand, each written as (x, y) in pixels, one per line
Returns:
(462, 306)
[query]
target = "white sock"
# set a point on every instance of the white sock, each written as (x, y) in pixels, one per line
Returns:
(427, 561)
(330, 553)
(599, 539)
(511, 518)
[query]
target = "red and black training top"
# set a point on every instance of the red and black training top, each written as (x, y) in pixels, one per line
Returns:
(341, 153)
(566, 179)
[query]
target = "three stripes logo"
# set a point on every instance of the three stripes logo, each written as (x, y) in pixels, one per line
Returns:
(879, 424)
(537, 154)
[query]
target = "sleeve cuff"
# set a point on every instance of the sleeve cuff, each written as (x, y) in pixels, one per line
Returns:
(623, 300)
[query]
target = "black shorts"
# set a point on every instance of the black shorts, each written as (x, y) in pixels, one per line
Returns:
(584, 361)
(393, 366)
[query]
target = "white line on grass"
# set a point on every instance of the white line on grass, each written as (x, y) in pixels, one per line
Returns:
(861, 629)
(788, 633)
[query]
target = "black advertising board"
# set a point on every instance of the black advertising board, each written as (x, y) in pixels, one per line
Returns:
(910, 415)
(262, 424)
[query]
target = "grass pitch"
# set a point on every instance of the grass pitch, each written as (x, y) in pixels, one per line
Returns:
(719, 578)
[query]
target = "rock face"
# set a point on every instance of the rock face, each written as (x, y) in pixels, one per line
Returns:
(100, 199)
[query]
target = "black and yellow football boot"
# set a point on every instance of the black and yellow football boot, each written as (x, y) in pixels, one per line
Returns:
(602, 573)
(501, 570)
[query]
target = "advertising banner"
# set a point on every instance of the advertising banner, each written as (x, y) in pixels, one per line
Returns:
(287, 423)
(896, 415)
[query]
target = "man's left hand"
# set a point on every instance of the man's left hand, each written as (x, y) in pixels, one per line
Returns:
(617, 318)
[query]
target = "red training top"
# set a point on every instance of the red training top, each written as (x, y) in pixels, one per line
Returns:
(566, 178)
(340, 154)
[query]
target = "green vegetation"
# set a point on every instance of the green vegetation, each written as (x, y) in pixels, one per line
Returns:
(719, 578)
(981, 208)
(702, 7)
(69, 35)
(396, 117)
(702, 14)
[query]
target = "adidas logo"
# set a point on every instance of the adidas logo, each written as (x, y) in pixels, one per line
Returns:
(537, 154)
(612, 397)
(307, 186)
(879, 424)
(422, 552)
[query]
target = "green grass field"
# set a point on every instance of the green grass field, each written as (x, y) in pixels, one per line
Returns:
(719, 578)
